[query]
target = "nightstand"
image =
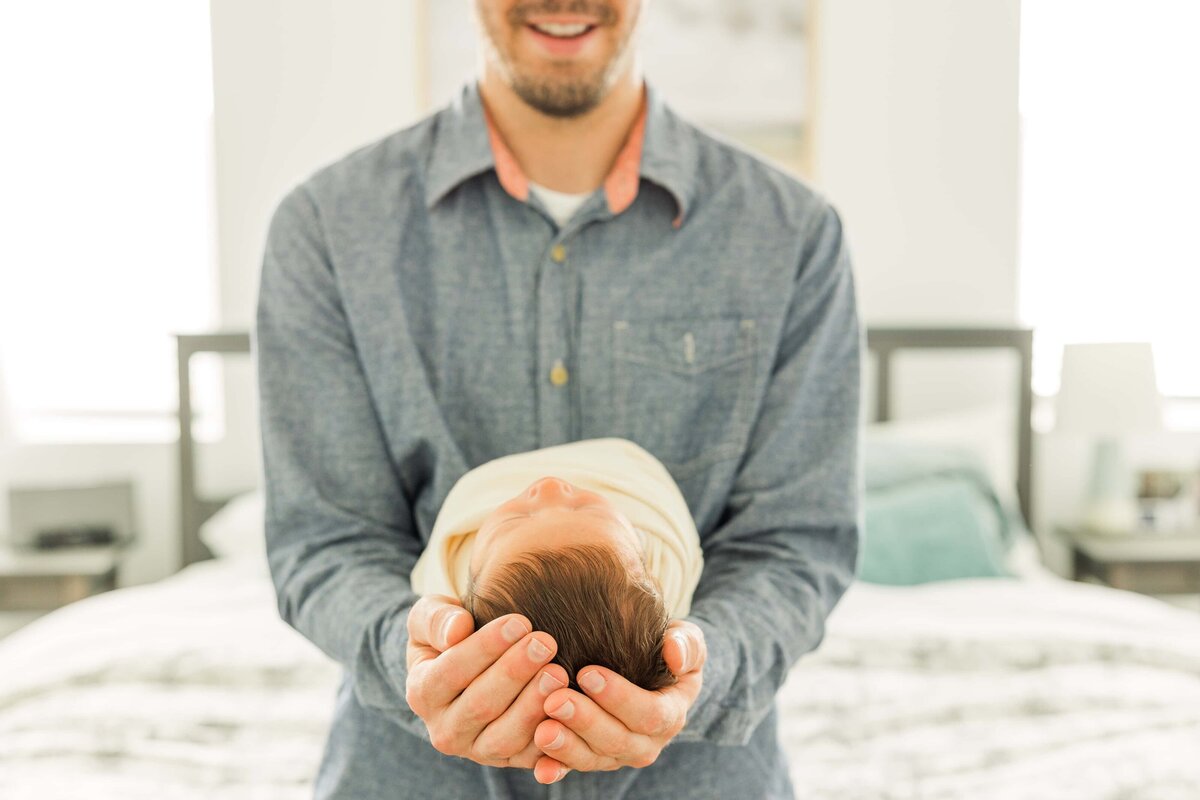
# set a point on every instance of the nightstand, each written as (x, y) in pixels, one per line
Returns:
(33, 582)
(1142, 561)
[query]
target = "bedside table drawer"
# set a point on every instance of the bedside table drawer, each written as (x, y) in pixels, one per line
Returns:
(1152, 578)
(44, 592)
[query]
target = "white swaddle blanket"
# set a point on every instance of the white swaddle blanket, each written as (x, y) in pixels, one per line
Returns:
(627, 475)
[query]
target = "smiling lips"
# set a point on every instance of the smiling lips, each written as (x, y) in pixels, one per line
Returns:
(562, 36)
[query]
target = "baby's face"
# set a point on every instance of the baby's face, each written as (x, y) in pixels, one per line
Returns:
(549, 513)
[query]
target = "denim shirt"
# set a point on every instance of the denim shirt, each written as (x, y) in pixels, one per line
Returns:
(417, 317)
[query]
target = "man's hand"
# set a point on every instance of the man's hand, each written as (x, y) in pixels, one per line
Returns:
(481, 694)
(618, 724)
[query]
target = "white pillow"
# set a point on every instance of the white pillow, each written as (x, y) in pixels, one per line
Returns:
(989, 432)
(238, 530)
(1025, 560)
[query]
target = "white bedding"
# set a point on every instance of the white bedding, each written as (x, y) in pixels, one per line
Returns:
(193, 687)
(997, 688)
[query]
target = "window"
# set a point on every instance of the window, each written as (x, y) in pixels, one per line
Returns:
(107, 246)
(1110, 176)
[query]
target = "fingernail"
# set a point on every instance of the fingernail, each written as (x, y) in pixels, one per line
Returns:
(565, 711)
(537, 651)
(548, 683)
(557, 743)
(447, 623)
(683, 650)
(514, 629)
(592, 681)
(562, 773)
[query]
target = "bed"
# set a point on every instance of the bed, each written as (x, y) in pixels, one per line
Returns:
(981, 676)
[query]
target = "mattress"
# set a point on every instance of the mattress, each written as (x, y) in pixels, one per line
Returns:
(981, 688)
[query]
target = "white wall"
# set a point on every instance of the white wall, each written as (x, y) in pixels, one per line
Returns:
(917, 146)
(296, 85)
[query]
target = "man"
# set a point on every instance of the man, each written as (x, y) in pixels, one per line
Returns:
(556, 256)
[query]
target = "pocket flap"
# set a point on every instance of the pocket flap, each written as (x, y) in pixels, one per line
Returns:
(687, 345)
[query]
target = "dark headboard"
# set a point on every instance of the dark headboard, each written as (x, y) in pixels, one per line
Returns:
(884, 343)
(195, 509)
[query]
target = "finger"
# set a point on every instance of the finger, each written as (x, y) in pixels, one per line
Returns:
(567, 748)
(445, 677)
(684, 648)
(498, 712)
(527, 758)
(429, 615)
(418, 654)
(604, 735)
(537, 691)
(547, 770)
(438, 621)
(655, 714)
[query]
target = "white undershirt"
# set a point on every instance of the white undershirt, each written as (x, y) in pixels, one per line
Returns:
(561, 205)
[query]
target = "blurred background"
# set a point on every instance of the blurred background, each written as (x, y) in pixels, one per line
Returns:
(998, 165)
(995, 163)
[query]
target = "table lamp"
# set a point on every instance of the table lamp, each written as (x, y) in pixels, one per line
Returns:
(1109, 391)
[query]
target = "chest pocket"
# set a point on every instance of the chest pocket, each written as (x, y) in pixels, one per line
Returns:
(683, 388)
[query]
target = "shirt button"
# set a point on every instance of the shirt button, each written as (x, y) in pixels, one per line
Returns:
(558, 253)
(558, 374)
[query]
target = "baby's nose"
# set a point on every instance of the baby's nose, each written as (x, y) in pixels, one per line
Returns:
(550, 485)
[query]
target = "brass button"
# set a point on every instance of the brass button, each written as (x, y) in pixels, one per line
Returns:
(558, 253)
(558, 374)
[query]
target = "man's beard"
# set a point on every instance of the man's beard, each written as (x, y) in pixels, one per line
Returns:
(556, 96)
(561, 98)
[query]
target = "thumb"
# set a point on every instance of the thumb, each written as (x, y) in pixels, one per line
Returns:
(683, 647)
(450, 626)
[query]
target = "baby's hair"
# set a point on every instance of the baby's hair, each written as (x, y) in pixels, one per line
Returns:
(586, 598)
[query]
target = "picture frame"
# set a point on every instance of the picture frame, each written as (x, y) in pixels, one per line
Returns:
(1168, 499)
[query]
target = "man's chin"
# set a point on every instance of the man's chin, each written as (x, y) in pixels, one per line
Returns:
(559, 98)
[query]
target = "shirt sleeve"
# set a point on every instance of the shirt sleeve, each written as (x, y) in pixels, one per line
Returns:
(340, 535)
(786, 547)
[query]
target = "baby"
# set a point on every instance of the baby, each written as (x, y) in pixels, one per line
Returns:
(591, 540)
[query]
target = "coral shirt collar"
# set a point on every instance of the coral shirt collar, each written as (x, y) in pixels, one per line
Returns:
(620, 185)
(661, 148)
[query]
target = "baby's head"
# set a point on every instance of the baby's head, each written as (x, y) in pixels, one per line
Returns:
(571, 562)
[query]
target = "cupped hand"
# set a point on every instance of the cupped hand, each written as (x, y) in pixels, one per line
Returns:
(480, 693)
(617, 723)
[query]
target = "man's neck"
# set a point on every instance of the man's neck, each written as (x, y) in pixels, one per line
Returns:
(568, 155)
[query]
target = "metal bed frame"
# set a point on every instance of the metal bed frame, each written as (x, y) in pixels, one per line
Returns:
(883, 342)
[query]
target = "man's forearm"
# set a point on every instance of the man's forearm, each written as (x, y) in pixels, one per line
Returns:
(788, 546)
(351, 598)
(760, 612)
(341, 540)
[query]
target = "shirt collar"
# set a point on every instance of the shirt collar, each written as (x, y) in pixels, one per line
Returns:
(659, 148)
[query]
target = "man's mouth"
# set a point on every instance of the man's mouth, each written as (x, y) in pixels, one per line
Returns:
(560, 30)
(562, 36)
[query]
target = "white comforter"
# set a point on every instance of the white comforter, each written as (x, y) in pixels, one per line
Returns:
(193, 687)
(998, 689)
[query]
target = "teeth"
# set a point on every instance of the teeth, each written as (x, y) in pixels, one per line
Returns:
(555, 29)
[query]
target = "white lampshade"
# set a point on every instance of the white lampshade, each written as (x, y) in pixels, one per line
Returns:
(1108, 390)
